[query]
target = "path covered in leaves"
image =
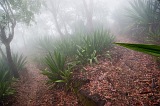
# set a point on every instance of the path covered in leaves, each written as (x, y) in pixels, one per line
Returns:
(31, 89)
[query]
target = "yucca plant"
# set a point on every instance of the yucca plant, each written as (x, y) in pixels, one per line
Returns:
(5, 80)
(144, 16)
(66, 46)
(5, 84)
(45, 43)
(154, 37)
(56, 70)
(84, 55)
(19, 60)
(101, 40)
(93, 44)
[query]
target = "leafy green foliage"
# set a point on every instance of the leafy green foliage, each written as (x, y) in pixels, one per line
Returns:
(45, 43)
(56, 72)
(84, 55)
(148, 49)
(144, 11)
(19, 61)
(94, 44)
(145, 16)
(66, 46)
(5, 80)
(154, 36)
(23, 9)
(84, 46)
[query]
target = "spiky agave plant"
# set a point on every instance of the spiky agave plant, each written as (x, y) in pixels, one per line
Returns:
(66, 46)
(93, 44)
(145, 16)
(45, 43)
(5, 80)
(19, 60)
(56, 70)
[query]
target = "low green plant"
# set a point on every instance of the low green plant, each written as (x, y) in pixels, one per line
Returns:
(108, 55)
(100, 40)
(19, 60)
(84, 46)
(84, 55)
(5, 80)
(66, 46)
(154, 37)
(45, 43)
(94, 44)
(56, 70)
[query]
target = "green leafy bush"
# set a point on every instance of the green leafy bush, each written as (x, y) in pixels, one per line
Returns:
(154, 37)
(19, 61)
(145, 18)
(84, 46)
(84, 55)
(45, 44)
(5, 80)
(66, 46)
(56, 70)
(94, 44)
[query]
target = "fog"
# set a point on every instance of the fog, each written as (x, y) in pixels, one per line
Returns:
(79, 52)
(60, 18)
(70, 12)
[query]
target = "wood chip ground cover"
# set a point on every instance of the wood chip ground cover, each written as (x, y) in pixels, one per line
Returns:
(128, 79)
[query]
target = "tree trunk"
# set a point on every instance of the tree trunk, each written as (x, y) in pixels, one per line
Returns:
(89, 14)
(54, 11)
(10, 61)
(57, 26)
(3, 55)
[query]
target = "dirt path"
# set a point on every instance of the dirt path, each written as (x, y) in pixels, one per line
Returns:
(31, 89)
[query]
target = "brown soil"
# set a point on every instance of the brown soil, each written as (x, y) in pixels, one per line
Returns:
(31, 89)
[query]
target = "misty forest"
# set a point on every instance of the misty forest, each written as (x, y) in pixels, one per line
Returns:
(79, 52)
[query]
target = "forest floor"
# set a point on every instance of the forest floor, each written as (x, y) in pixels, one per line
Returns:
(128, 78)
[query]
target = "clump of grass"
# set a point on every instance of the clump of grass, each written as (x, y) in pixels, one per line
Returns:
(5, 80)
(84, 46)
(20, 61)
(56, 70)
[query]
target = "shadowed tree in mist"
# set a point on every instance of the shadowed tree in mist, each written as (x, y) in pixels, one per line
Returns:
(11, 12)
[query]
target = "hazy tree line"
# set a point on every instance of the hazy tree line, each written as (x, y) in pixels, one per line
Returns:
(61, 17)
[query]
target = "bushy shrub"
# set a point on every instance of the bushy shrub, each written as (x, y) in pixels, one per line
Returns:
(84, 46)
(5, 80)
(19, 60)
(66, 46)
(56, 70)
(93, 44)
(144, 16)
(45, 43)
(154, 37)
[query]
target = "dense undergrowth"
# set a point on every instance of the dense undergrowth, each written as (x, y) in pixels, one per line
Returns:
(66, 54)
(140, 19)
(62, 56)
(6, 77)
